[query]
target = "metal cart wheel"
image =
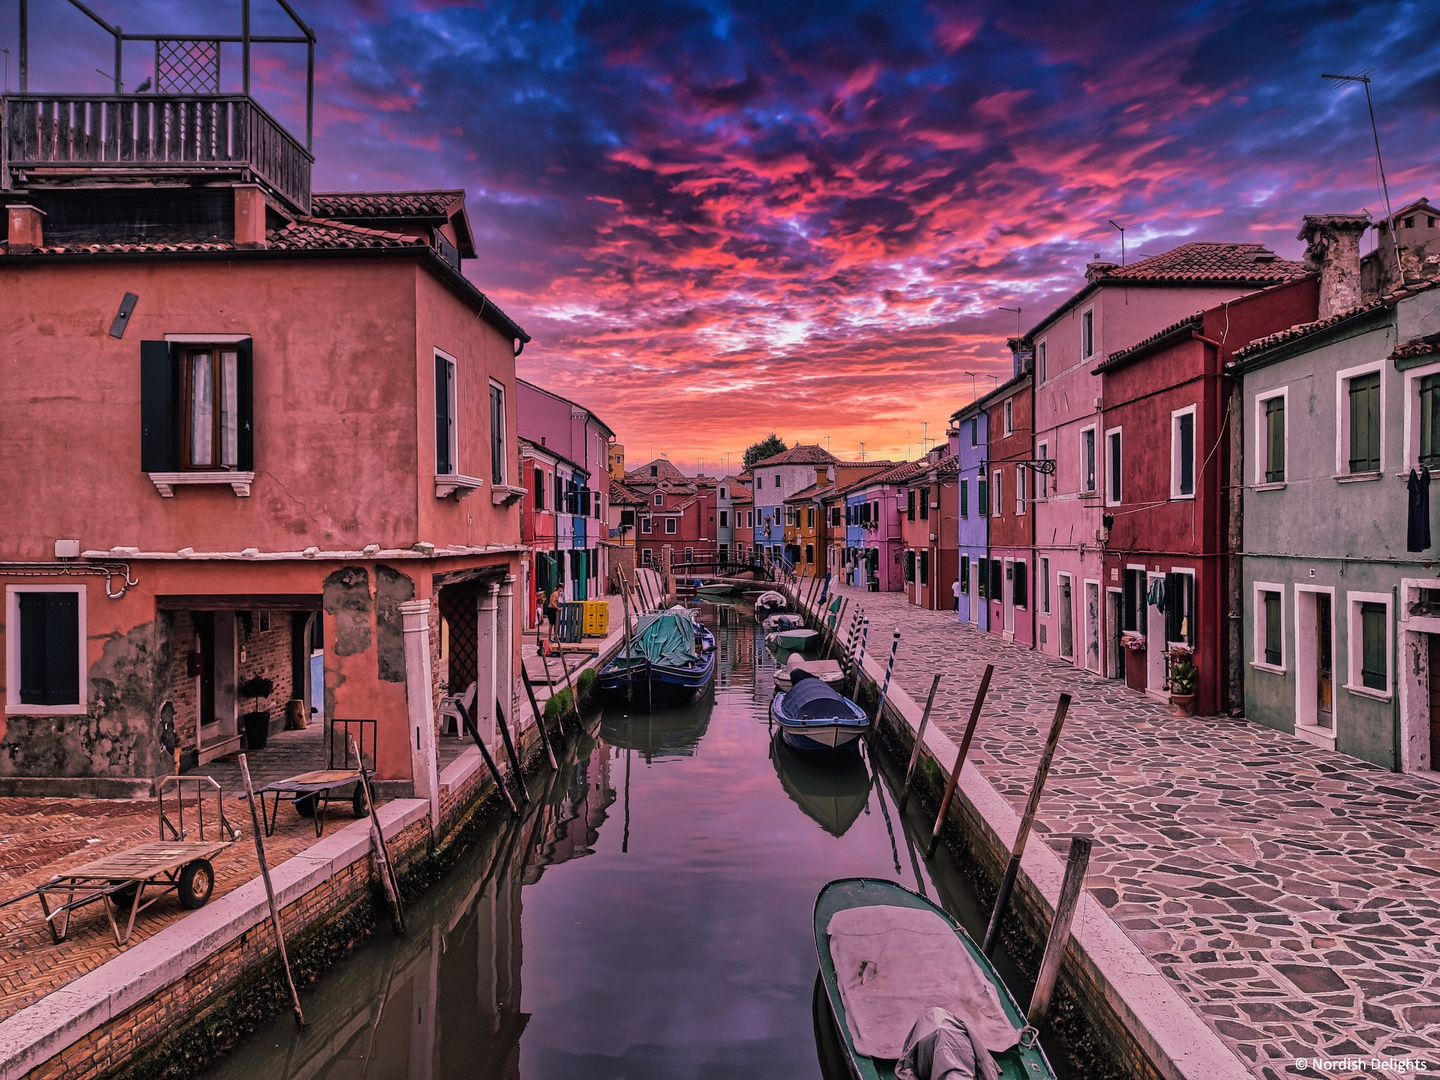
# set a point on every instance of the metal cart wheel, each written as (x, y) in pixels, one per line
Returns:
(357, 801)
(306, 805)
(197, 882)
(124, 899)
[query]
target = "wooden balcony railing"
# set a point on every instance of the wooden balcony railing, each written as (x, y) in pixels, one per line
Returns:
(162, 133)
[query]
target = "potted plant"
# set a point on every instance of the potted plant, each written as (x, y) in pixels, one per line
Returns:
(1134, 644)
(1183, 677)
(257, 719)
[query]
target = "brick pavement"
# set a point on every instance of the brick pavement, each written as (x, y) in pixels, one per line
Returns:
(1292, 894)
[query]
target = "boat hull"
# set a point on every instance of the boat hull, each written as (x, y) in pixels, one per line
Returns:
(659, 685)
(796, 640)
(1019, 1061)
(822, 735)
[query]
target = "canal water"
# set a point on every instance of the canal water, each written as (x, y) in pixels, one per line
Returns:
(650, 917)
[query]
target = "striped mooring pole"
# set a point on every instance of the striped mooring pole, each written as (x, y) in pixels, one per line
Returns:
(860, 659)
(889, 670)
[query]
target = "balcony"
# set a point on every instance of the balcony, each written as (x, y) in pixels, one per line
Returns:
(59, 139)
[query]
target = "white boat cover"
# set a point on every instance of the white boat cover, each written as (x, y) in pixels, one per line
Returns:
(893, 963)
(939, 1047)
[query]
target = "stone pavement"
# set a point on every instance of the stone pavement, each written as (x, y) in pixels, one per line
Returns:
(1291, 893)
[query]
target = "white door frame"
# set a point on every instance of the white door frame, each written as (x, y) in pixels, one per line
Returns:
(1155, 646)
(1306, 703)
(1065, 599)
(1092, 624)
(1114, 605)
(1007, 594)
(974, 593)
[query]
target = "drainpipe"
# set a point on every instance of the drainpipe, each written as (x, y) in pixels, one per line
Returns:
(1398, 734)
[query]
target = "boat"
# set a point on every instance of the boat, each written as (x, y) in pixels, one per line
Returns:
(670, 660)
(716, 590)
(832, 794)
(770, 601)
(828, 671)
(814, 716)
(795, 640)
(775, 623)
(892, 961)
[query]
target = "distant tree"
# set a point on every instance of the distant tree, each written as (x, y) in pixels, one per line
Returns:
(769, 446)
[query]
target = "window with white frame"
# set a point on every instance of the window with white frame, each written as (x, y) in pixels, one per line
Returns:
(724, 519)
(1271, 436)
(1019, 490)
(446, 451)
(1042, 479)
(1009, 416)
(1044, 584)
(45, 650)
(1360, 419)
(997, 507)
(644, 556)
(975, 431)
(1182, 453)
(1422, 417)
(1087, 459)
(1087, 333)
(1371, 640)
(659, 499)
(1269, 626)
(1113, 489)
(1040, 360)
(644, 524)
(669, 526)
(965, 498)
(498, 456)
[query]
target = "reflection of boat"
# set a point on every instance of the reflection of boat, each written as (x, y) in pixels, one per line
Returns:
(865, 930)
(831, 793)
(814, 716)
(775, 623)
(795, 640)
(828, 671)
(770, 601)
(670, 659)
(672, 733)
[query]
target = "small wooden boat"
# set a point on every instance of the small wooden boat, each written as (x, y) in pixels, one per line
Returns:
(795, 640)
(770, 601)
(775, 623)
(828, 671)
(670, 660)
(718, 590)
(814, 716)
(890, 959)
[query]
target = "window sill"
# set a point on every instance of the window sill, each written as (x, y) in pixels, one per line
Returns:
(45, 710)
(1271, 485)
(1358, 477)
(1367, 692)
(166, 482)
(457, 484)
(505, 494)
(1177, 497)
(1272, 668)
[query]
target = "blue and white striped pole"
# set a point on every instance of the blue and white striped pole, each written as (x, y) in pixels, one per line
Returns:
(889, 670)
(860, 660)
(825, 589)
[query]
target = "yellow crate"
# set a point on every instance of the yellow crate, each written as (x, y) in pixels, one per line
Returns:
(597, 618)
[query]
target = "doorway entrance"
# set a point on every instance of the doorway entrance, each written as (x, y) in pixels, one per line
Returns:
(1115, 613)
(1155, 643)
(1314, 660)
(1067, 618)
(1009, 598)
(1092, 626)
(215, 642)
(1434, 701)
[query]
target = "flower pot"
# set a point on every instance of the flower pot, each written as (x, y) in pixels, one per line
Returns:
(257, 730)
(1183, 704)
(1136, 675)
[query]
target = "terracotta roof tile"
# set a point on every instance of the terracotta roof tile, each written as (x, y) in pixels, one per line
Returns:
(125, 247)
(313, 233)
(379, 204)
(807, 454)
(1202, 261)
(1420, 346)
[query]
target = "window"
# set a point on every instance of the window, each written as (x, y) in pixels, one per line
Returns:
(45, 659)
(1087, 459)
(810, 553)
(1270, 439)
(810, 518)
(654, 471)
(1044, 585)
(1009, 416)
(724, 492)
(1042, 479)
(1269, 626)
(975, 431)
(724, 519)
(627, 517)
(1180, 608)
(1182, 453)
(965, 498)
(924, 567)
(1132, 615)
(1364, 416)
(997, 506)
(982, 497)
(1040, 361)
(644, 524)
(908, 565)
(1019, 490)
(1430, 420)
(925, 504)
(1087, 333)
(539, 489)
(750, 519)
(1021, 586)
(659, 499)
(965, 574)
(445, 448)
(1112, 467)
(689, 554)
(669, 526)
(497, 433)
(196, 405)
(644, 556)
(759, 482)
(1370, 643)
(210, 435)
(997, 582)
(982, 577)
(910, 504)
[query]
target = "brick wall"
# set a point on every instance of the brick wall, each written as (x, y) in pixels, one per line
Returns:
(182, 684)
(267, 653)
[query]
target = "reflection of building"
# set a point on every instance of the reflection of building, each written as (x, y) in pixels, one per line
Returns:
(580, 804)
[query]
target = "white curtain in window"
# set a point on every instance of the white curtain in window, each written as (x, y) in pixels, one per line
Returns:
(229, 409)
(202, 410)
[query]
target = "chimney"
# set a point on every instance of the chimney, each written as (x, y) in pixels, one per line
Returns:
(1022, 354)
(1098, 270)
(26, 233)
(249, 216)
(1332, 248)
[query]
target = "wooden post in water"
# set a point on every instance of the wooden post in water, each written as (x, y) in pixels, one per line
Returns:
(1007, 883)
(550, 683)
(510, 750)
(539, 717)
(270, 889)
(919, 743)
(1070, 891)
(960, 759)
(377, 843)
(889, 671)
(860, 659)
(834, 627)
(625, 638)
(474, 733)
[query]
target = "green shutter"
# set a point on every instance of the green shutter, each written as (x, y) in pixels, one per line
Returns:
(983, 577)
(245, 405)
(1273, 627)
(1365, 423)
(964, 498)
(965, 573)
(982, 496)
(1275, 440)
(49, 648)
(1430, 420)
(1374, 669)
(1128, 619)
(1187, 454)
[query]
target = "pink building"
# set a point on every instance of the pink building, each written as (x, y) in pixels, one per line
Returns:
(1118, 307)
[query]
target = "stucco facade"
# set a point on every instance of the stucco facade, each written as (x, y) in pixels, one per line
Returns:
(973, 529)
(1010, 594)
(774, 480)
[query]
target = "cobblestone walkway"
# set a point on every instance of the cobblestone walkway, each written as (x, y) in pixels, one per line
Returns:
(1291, 893)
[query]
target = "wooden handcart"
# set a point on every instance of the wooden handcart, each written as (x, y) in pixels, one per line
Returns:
(132, 880)
(312, 791)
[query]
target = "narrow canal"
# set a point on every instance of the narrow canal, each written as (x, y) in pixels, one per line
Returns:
(650, 917)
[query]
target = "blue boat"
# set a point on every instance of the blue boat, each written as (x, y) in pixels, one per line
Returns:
(813, 716)
(670, 661)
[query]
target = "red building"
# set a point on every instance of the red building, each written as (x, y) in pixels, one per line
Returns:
(928, 528)
(1008, 572)
(1171, 498)
(675, 522)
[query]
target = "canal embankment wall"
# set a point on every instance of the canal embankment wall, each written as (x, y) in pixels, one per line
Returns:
(171, 1003)
(1115, 997)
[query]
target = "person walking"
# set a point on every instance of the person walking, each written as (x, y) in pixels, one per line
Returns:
(955, 590)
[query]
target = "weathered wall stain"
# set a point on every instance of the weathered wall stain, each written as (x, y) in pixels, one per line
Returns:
(392, 588)
(347, 601)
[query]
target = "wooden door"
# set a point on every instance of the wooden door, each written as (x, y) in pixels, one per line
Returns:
(1434, 701)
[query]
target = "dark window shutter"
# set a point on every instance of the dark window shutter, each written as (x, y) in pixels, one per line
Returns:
(1187, 454)
(924, 504)
(159, 415)
(32, 648)
(964, 573)
(924, 568)
(982, 496)
(1272, 628)
(1128, 616)
(245, 404)
(1172, 607)
(443, 464)
(1275, 440)
(1374, 666)
(539, 490)
(1021, 586)
(997, 583)
(49, 648)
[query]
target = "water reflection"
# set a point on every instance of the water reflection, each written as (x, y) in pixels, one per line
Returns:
(832, 790)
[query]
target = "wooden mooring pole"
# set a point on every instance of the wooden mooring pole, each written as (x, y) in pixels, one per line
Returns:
(539, 716)
(383, 865)
(1070, 890)
(485, 755)
(919, 743)
(270, 889)
(510, 750)
(889, 671)
(960, 758)
(860, 658)
(1007, 883)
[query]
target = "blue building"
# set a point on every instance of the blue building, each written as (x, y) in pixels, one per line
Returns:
(972, 435)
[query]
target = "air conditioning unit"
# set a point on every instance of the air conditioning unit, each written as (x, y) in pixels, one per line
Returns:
(1102, 535)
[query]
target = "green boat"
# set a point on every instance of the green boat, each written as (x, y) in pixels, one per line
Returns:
(870, 902)
(796, 640)
(718, 591)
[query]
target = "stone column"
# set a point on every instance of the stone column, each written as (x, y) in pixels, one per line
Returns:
(485, 663)
(420, 702)
(505, 652)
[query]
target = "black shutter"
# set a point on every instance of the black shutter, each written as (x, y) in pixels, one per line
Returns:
(1021, 586)
(245, 404)
(32, 649)
(1174, 605)
(159, 414)
(443, 464)
(49, 648)
(1128, 619)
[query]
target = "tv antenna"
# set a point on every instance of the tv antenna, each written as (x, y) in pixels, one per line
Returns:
(1016, 310)
(1116, 225)
(1344, 82)
(862, 451)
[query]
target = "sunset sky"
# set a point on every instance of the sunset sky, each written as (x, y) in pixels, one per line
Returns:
(719, 219)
